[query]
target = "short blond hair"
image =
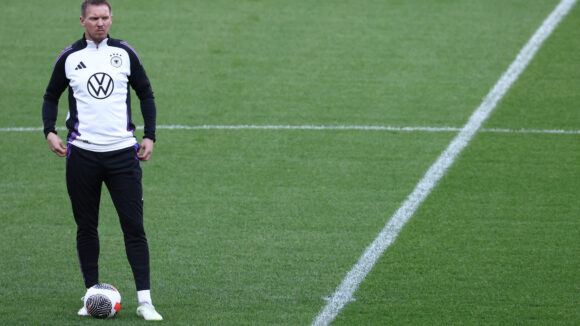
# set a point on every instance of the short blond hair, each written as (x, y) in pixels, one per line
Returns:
(86, 3)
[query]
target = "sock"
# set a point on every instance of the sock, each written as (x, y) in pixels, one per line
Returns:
(144, 296)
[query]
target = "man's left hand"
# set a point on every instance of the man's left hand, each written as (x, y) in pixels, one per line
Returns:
(145, 150)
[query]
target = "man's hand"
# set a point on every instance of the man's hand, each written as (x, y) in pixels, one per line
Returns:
(56, 145)
(145, 150)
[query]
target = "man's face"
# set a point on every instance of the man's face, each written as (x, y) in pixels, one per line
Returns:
(97, 22)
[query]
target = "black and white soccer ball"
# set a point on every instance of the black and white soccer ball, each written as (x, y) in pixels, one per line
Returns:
(102, 300)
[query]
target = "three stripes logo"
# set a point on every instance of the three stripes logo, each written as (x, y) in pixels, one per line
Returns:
(100, 85)
(81, 65)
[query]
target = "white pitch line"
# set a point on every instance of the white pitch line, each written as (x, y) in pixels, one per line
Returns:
(306, 127)
(359, 127)
(345, 291)
(320, 127)
(533, 131)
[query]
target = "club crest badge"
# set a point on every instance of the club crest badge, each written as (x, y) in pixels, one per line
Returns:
(116, 60)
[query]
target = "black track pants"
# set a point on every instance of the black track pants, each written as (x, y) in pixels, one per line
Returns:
(120, 170)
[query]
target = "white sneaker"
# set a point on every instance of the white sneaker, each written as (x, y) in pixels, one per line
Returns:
(148, 312)
(83, 311)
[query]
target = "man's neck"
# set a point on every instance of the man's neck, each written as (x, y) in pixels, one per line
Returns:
(97, 42)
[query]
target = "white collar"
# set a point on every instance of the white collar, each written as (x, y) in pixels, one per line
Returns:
(94, 45)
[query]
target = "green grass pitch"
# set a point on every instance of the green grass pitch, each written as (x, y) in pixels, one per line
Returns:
(259, 226)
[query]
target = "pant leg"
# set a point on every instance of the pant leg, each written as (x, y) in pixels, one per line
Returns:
(123, 179)
(84, 183)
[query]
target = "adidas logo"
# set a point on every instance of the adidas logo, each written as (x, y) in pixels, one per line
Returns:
(81, 65)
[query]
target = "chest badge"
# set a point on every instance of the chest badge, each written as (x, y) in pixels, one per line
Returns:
(100, 85)
(116, 60)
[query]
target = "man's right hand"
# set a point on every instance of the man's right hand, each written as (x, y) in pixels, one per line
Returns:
(56, 145)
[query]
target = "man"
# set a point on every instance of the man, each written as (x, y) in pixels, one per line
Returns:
(101, 147)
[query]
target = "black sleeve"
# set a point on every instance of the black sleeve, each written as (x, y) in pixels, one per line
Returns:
(58, 83)
(140, 83)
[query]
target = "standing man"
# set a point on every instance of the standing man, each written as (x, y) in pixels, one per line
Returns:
(101, 146)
